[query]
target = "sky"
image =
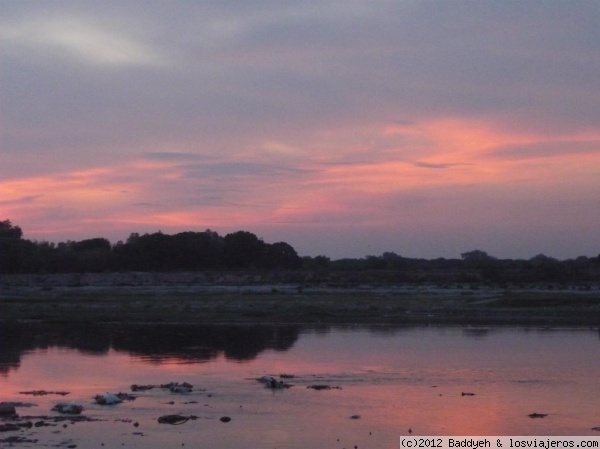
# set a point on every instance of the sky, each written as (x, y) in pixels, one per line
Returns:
(345, 128)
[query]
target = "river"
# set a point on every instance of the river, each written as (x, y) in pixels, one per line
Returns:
(384, 382)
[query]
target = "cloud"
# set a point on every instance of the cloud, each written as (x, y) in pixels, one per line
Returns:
(79, 38)
(146, 204)
(435, 165)
(546, 149)
(287, 73)
(237, 169)
(170, 156)
(27, 199)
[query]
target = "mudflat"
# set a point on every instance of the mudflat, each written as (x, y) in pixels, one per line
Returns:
(250, 298)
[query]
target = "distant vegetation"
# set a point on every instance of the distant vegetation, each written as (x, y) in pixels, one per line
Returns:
(238, 251)
(149, 252)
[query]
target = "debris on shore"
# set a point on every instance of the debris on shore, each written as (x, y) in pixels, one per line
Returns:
(136, 387)
(175, 420)
(319, 387)
(67, 408)
(44, 392)
(175, 387)
(9, 427)
(17, 439)
(7, 409)
(272, 383)
(112, 398)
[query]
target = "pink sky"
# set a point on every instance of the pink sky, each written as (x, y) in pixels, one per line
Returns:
(423, 128)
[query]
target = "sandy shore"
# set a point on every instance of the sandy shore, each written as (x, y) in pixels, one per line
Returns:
(235, 298)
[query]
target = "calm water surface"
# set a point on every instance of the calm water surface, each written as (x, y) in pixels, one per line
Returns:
(393, 379)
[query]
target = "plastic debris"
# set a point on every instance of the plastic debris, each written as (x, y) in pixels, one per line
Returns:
(68, 408)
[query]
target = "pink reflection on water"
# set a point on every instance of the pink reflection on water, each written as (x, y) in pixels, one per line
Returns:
(393, 381)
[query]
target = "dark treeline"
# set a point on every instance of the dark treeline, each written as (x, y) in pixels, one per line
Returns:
(149, 252)
(208, 251)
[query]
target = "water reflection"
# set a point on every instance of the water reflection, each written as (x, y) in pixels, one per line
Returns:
(393, 378)
(203, 343)
(188, 343)
(194, 343)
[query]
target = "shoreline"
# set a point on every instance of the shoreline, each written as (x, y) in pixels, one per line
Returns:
(188, 298)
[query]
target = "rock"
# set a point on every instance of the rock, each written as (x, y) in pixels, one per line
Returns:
(266, 379)
(126, 396)
(68, 409)
(135, 387)
(537, 415)
(467, 394)
(44, 392)
(274, 384)
(16, 439)
(323, 387)
(108, 399)
(172, 419)
(9, 427)
(112, 398)
(225, 419)
(7, 410)
(176, 387)
(175, 419)
(18, 404)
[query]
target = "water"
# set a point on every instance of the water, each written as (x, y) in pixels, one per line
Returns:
(390, 380)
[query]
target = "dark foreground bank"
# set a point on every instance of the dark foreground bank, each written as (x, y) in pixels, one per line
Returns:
(229, 299)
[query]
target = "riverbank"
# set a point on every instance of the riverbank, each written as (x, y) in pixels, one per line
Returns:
(250, 298)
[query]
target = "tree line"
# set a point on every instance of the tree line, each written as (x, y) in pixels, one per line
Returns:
(242, 250)
(148, 252)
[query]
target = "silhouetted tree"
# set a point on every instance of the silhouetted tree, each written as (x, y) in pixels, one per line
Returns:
(243, 250)
(316, 263)
(375, 263)
(393, 260)
(281, 255)
(16, 254)
(8, 231)
(476, 256)
(91, 255)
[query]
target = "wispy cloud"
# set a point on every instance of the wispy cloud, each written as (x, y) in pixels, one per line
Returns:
(79, 38)
(171, 156)
(28, 199)
(237, 169)
(546, 149)
(436, 166)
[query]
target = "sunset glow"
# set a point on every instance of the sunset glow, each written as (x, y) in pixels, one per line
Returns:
(423, 128)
